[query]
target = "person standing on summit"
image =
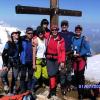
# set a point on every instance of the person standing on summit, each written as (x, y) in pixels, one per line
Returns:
(44, 24)
(26, 60)
(67, 35)
(40, 74)
(81, 50)
(11, 60)
(55, 55)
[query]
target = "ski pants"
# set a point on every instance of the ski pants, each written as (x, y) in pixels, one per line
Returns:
(26, 72)
(80, 81)
(40, 73)
(53, 68)
(79, 68)
(65, 74)
(41, 69)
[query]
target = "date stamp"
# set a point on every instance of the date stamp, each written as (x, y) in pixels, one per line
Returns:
(90, 86)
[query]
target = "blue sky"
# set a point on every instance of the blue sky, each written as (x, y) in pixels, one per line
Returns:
(89, 8)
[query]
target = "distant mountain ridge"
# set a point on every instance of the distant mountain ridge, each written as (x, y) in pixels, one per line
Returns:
(94, 38)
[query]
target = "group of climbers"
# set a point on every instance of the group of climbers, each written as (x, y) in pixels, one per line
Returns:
(47, 55)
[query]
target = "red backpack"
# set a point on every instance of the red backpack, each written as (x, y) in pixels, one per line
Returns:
(19, 97)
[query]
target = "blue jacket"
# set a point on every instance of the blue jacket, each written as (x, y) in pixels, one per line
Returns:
(81, 45)
(26, 54)
(11, 51)
(68, 38)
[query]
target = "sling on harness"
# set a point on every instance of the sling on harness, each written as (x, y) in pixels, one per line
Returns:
(81, 45)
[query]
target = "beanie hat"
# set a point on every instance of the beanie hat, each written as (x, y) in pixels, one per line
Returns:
(44, 21)
(29, 29)
(64, 22)
(40, 30)
(78, 27)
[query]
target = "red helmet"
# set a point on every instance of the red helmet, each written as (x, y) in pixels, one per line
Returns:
(53, 27)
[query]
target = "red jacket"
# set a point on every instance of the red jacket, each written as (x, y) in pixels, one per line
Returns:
(47, 34)
(58, 47)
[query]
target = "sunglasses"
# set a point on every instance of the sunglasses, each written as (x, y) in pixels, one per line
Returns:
(29, 33)
(55, 30)
(45, 23)
(77, 30)
(64, 25)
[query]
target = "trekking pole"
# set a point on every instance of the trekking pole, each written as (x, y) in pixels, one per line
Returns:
(8, 36)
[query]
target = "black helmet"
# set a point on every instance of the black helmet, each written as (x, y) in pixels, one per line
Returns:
(78, 27)
(64, 22)
(40, 30)
(44, 21)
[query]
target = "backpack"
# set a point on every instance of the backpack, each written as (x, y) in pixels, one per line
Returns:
(29, 97)
(24, 96)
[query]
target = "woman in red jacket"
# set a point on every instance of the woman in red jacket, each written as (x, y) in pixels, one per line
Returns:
(55, 55)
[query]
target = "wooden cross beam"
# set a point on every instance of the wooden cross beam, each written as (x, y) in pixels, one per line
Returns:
(53, 11)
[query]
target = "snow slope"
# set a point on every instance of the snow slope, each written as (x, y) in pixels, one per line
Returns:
(92, 72)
